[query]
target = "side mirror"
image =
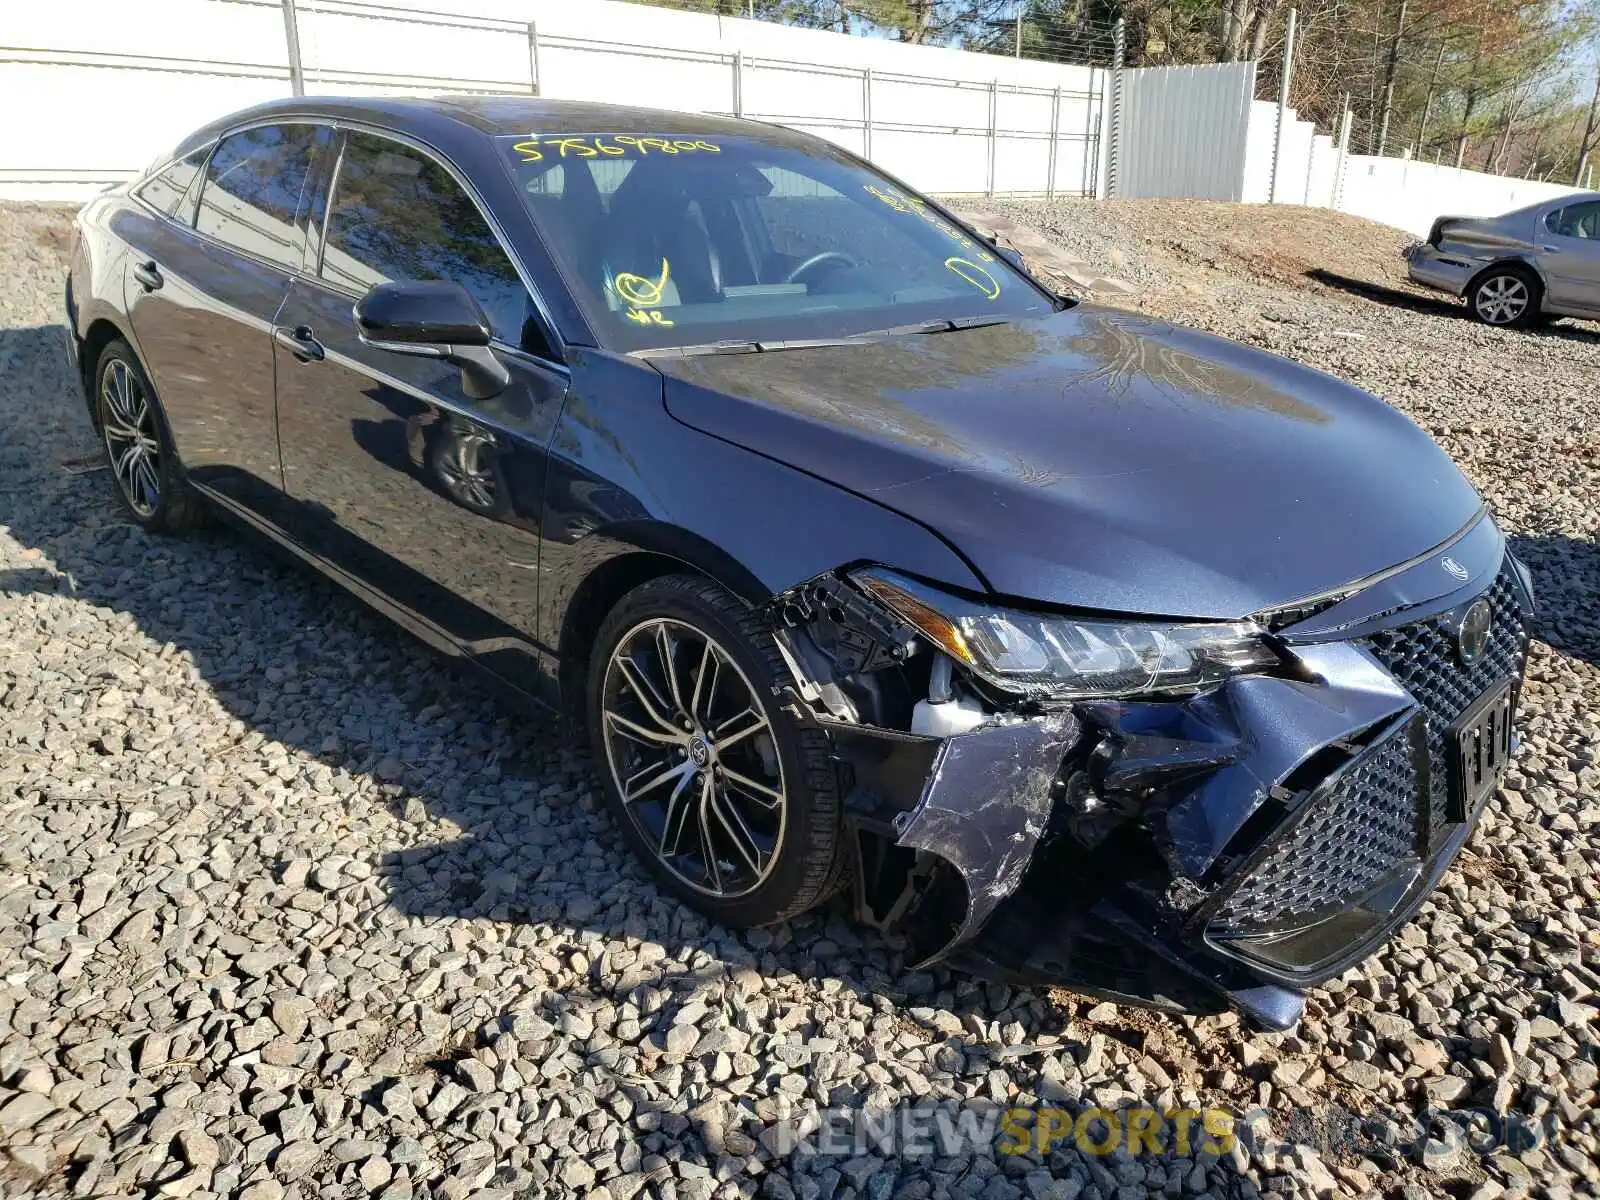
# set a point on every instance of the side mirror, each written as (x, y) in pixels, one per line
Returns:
(434, 319)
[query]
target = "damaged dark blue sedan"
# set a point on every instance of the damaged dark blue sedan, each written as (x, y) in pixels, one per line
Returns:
(1079, 648)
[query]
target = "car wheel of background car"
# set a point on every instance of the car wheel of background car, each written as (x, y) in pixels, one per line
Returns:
(138, 447)
(731, 803)
(1506, 296)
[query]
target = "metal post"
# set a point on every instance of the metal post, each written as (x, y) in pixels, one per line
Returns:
(1283, 105)
(533, 57)
(1346, 121)
(1022, 6)
(1094, 162)
(1089, 174)
(738, 83)
(1119, 46)
(291, 37)
(1055, 121)
(866, 113)
(994, 109)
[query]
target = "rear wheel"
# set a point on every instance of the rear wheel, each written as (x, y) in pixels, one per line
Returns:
(133, 431)
(1506, 296)
(732, 804)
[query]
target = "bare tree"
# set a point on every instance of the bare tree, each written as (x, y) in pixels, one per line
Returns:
(1586, 143)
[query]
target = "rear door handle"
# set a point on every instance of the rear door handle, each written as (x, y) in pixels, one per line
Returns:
(301, 343)
(1552, 249)
(148, 275)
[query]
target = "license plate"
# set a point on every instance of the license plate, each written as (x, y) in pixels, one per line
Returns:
(1480, 742)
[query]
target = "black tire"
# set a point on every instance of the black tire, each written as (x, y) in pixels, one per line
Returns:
(807, 858)
(152, 491)
(1491, 297)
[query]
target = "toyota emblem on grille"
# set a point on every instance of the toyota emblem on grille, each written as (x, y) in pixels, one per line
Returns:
(1457, 571)
(1472, 637)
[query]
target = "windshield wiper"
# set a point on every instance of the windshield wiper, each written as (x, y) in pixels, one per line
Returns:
(735, 346)
(741, 346)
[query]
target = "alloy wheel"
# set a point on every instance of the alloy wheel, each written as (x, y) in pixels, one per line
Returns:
(128, 424)
(1502, 299)
(690, 749)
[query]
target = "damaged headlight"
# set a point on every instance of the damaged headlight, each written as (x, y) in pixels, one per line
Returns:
(1040, 653)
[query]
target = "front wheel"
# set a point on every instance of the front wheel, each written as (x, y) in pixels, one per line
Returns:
(732, 804)
(1505, 296)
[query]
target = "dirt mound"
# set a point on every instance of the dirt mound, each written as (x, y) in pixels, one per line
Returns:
(1180, 245)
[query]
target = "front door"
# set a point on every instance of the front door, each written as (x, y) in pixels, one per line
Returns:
(416, 491)
(205, 284)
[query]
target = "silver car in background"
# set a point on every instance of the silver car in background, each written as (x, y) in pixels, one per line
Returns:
(1542, 261)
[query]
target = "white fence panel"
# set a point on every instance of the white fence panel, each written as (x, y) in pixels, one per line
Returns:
(1410, 195)
(944, 120)
(1321, 171)
(351, 43)
(1182, 131)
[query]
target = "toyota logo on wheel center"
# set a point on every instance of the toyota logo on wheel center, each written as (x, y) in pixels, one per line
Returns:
(699, 752)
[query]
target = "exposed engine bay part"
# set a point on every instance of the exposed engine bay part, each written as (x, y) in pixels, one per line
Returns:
(1231, 846)
(944, 713)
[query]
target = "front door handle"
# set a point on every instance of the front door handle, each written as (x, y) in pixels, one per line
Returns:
(148, 275)
(1552, 249)
(301, 343)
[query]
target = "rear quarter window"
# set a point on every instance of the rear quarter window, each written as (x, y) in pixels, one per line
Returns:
(174, 189)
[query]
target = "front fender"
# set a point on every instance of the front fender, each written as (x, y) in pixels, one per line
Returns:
(624, 476)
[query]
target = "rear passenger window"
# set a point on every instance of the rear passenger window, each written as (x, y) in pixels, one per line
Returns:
(397, 214)
(169, 187)
(1576, 220)
(253, 186)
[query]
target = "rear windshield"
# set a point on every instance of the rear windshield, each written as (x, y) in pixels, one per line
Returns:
(671, 241)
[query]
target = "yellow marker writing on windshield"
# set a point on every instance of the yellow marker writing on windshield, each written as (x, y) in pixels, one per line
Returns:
(640, 291)
(975, 275)
(589, 146)
(650, 316)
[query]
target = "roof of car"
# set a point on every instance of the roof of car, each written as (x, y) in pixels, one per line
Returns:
(499, 115)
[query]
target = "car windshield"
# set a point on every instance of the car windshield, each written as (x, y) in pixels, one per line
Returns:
(688, 241)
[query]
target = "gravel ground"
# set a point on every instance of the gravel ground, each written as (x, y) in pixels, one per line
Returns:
(288, 910)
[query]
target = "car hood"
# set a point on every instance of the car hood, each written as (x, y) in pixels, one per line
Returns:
(1099, 459)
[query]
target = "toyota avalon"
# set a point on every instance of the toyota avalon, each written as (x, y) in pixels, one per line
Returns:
(1072, 646)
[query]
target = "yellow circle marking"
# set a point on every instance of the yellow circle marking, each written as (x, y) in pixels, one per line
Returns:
(642, 292)
(975, 275)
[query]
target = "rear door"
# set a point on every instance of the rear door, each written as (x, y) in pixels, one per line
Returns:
(205, 282)
(415, 491)
(1570, 254)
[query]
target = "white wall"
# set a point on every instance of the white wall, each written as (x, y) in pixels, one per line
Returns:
(1409, 195)
(1305, 172)
(123, 80)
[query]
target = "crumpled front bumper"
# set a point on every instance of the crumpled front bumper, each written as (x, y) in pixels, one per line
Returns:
(1235, 847)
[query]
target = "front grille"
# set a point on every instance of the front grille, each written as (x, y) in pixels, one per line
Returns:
(1345, 839)
(1425, 659)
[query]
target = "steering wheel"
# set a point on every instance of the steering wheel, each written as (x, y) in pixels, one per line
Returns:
(817, 260)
